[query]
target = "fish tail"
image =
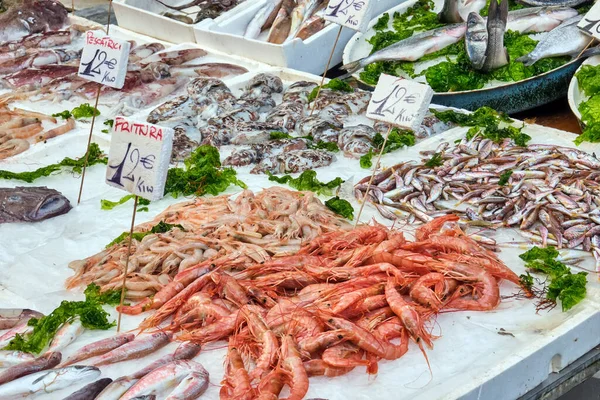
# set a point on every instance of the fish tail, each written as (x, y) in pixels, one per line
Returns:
(503, 11)
(353, 66)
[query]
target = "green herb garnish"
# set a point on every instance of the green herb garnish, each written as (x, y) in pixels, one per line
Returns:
(276, 135)
(334, 84)
(435, 160)
(85, 111)
(341, 207)
(329, 146)
(109, 123)
(504, 177)
(64, 114)
(397, 139)
(161, 227)
(90, 313)
(365, 160)
(308, 181)
(96, 156)
(565, 286)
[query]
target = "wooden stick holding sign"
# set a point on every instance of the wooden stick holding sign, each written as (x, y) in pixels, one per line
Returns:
(399, 102)
(103, 60)
(354, 14)
(138, 162)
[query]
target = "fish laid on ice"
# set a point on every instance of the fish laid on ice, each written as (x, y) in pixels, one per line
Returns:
(163, 379)
(31, 204)
(21, 328)
(46, 361)
(476, 39)
(8, 358)
(191, 387)
(48, 381)
(10, 317)
(496, 55)
(66, 335)
(90, 391)
(32, 16)
(566, 39)
(413, 48)
(140, 347)
(116, 389)
(100, 347)
(186, 351)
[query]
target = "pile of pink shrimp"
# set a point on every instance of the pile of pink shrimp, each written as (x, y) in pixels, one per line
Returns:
(240, 232)
(21, 128)
(347, 299)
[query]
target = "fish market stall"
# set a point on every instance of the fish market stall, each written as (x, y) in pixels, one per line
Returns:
(470, 273)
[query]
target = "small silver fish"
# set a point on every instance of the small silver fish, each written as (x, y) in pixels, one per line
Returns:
(46, 361)
(8, 358)
(66, 335)
(191, 387)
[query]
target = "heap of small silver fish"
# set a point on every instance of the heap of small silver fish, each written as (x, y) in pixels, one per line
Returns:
(211, 114)
(552, 195)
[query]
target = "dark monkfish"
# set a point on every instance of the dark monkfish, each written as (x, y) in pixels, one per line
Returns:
(31, 204)
(32, 16)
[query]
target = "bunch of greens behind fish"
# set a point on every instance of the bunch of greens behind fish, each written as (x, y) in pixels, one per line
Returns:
(496, 48)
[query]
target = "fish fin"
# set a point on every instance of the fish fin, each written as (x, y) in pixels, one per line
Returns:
(353, 66)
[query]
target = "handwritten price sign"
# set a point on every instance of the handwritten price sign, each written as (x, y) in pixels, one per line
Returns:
(354, 14)
(139, 157)
(400, 102)
(590, 24)
(104, 60)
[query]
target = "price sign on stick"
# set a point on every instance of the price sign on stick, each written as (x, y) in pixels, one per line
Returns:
(354, 14)
(590, 23)
(139, 158)
(104, 60)
(400, 102)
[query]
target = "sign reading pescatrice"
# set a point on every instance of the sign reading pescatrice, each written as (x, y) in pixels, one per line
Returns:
(104, 60)
(139, 158)
(354, 14)
(400, 102)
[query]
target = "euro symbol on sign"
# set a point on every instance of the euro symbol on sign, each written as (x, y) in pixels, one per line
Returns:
(410, 99)
(148, 161)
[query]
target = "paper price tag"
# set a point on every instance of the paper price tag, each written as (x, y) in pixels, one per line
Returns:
(104, 60)
(400, 102)
(139, 156)
(590, 23)
(354, 14)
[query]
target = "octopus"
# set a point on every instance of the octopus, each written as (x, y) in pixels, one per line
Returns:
(356, 140)
(257, 152)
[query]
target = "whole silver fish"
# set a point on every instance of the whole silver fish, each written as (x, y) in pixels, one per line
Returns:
(90, 391)
(10, 317)
(140, 347)
(565, 3)
(8, 358)
(496, 55)
(449, 13)
(301, 13)
(47, 361)
(538, 19)
(413, 48)
(476, 39)
(566, 39)
(48, 381)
